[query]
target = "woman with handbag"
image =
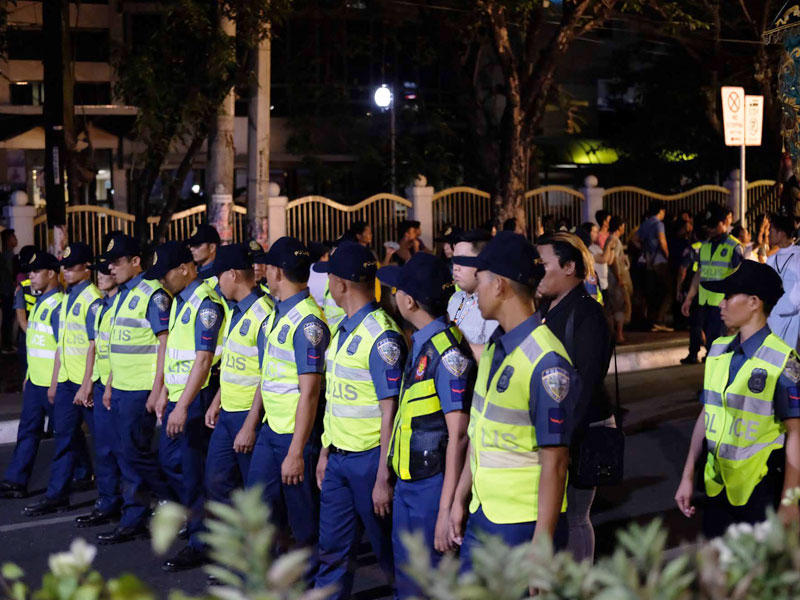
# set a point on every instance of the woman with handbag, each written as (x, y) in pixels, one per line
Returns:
(579, 322)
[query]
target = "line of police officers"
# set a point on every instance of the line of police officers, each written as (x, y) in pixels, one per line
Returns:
(411, 438)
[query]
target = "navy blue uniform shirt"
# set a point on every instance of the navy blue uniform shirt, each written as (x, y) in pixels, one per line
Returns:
(551, 405)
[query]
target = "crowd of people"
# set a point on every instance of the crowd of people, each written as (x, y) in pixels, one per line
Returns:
(457, 394)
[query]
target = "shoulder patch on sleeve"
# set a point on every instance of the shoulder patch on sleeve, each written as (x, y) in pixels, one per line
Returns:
(313, 332)
(555, 382)
(389, 351)
(455, 362)
(792, 370)
(208, 316)
(161, 300)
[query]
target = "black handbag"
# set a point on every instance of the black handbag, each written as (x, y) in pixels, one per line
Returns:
(599, 459)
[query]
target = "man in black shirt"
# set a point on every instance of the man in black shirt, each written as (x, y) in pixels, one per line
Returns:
(579, 322)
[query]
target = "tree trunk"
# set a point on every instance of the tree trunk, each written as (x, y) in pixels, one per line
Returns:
(510, 196)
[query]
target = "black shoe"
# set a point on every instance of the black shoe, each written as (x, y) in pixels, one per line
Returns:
(97, 517)
(12, 490)
(689, 360)
(45, 506)
(188, 558)
(82, 485)
(122, 534)
(183, 534)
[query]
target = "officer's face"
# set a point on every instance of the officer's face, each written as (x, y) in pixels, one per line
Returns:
(464, 277)
(405, 304)
(227, 283)
(272, 274)
(75, 273)
(488, 290)
(124, 268)
(260, 270)
(41, 278)
(105, 282)
(337, 288)
(176, 280)
(737, 310)
(202, 253)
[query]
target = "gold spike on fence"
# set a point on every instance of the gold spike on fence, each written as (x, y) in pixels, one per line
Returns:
(631, 203)
(316, 218)
(462, 206)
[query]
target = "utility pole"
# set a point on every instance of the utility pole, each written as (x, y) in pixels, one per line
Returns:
(221, 153)
(258, 145)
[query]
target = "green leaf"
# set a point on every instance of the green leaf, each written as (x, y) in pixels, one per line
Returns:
(11, 571)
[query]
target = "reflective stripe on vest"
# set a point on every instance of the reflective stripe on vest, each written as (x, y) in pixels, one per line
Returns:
(505, 457)
(181, 353)
(740, 424)
(240, 374)
(714, 268)
(352, 413)
(28, 295)
(280, 383)
(102, 337)
(73, 338)
(41, 342)
(419, 437)
(133, 350)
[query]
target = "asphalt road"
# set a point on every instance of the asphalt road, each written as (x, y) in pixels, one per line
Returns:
(660, 406)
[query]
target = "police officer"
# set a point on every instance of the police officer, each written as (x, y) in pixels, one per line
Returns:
(107, 507)
(720, 254)
(333, 312)
(139, 327)
(233, 415)
(195, 325)
(291, 348)
(204, 243)
(39, 388)
(750, 421)
(429, 440)
(74, 363)
(364, 370)
(520, 421)
(24, 300)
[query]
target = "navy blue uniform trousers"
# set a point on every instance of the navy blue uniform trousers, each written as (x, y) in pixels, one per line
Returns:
(415, 508)
(106, 469)
(292, 504)
(141, 475)
(183, 457)
(69, 439)
(346, 501)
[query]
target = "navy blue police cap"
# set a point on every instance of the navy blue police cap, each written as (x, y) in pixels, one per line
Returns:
(101, 266)
(424, 277)
(232, 256)
(41, 260)
(122, 245)
(509, 255)
(168, 256)
(752, 279)
(203, 234)
(286, 253)
(76, 253)
(351, 261)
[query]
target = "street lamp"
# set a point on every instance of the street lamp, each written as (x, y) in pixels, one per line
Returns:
(384, 99)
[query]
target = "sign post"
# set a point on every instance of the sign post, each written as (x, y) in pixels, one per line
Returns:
(743, 117)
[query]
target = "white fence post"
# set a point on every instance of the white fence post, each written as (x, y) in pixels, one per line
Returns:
(733, 184)
(421, 196)
(19, 216)
(593, 198)
(277, 213)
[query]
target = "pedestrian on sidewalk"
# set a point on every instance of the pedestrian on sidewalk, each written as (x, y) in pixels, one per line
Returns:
(620, 286)
(784, 320)
(652, 240)
(578, 321)
(750, 421)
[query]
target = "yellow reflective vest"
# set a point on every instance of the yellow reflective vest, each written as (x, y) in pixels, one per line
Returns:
(40, 340)
(73, 339)
(714, 267)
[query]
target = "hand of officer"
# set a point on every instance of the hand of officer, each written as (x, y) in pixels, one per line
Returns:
(679, 297)
(211, 418)
(789, 514)
(107, 398)
(176, 421)
(441, 533)
(322, 464)
(51, 394)
(292, 469)
(83, 397)
(686, 306)
(457, 514)
(684, 497)
(382, 495)
(245, 440)
(152, 402)
(160, 406)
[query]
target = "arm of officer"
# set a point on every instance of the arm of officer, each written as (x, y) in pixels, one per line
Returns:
(51, 391)
(310, 341)
(107, 392)
(21, 309)
(555, 392)
(455, 381)
(458, 510)
(158, 314)
(213, 410)
(84, 394)
(683, 496)
(386, 375)
(687, 303)
(787, 408)
(207, 329)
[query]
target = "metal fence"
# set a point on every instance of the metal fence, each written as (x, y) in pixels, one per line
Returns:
(562, 203)
(316, 218)
(463, 206)
(631, 203)
(762, 197)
